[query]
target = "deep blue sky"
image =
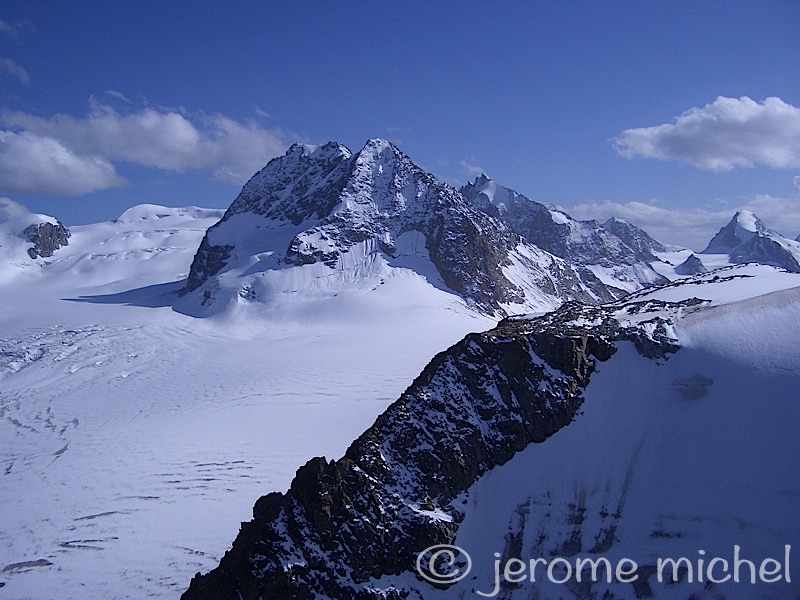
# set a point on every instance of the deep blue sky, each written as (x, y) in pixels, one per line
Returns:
(532, 93)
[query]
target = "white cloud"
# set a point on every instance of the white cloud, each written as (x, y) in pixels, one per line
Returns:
(166, 139)
(723, 135)
(471, 169)
(693, 228)
(31, 163)
(797, 183)
(11, 210)
(9, 66)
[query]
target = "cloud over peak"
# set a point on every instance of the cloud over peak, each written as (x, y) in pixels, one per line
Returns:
(723, 135)
(84, 149)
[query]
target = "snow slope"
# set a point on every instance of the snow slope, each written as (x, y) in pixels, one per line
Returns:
(133, 438)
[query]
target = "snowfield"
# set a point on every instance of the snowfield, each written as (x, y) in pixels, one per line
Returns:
(134, 439)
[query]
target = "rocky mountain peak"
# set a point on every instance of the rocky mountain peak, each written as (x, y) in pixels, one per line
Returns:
(741, 228)
(691, 266)
(330, 208)
(583, 243)
(746, 239)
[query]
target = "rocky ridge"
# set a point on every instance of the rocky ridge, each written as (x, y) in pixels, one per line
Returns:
(343, 524)
(616, 250)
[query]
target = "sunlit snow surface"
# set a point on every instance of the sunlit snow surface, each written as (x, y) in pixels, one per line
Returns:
(135, 439)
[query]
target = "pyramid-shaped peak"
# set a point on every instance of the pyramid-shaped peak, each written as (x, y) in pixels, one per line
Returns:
(741, 228)
(375, 147)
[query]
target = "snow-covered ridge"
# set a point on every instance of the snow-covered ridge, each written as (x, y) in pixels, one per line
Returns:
(616, 252)
(426, 472)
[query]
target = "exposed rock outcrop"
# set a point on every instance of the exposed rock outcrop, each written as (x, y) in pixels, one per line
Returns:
(46, 238)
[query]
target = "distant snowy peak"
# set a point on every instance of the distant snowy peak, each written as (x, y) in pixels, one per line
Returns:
(584, 243)
(40, 235)
(350, 217)
(742, 227)
(746, 239)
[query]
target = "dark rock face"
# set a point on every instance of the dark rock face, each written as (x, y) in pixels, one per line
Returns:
(635, 238)
(46, 238)
(766, 250)
(208, 261)
(396, 490)
(691, 266)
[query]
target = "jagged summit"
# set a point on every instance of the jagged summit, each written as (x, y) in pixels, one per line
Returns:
(343, 218)
(586, 244)
(746, 239)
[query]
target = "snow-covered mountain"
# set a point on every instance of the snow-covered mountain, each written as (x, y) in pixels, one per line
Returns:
(657, 427)
(616, 252)
(746, 239)
(322, 219)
